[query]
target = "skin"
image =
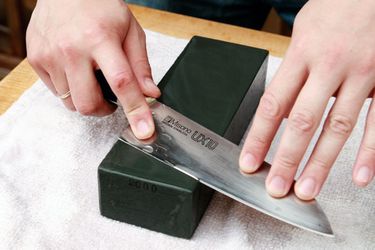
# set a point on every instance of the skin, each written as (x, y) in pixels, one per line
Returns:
(331, 53)
(67, 40)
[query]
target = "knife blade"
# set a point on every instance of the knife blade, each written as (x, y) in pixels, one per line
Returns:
(196, 151)
(200, 153)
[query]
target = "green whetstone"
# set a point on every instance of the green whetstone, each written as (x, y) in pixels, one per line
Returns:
(214, 83)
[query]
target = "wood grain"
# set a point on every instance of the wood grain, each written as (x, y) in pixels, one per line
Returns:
(22, 77)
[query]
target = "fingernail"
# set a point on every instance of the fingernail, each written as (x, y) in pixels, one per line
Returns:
(277, 186)
(364, 174)
(143, 129)
(307, 188)
(248, 163)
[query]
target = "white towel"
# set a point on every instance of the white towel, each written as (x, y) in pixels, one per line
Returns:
(49, 191)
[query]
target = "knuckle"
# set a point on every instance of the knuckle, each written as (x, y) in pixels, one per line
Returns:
(302, 122)
(45, 58)
(98, 34)
(318, 163)
(141, 61)
(298, 45)
(122, 80)
(269, 106)
(257, 142)
(67, 49)
(339, 124)
(369, 147)
(143, 64)
(33, 59)
(135, 109)
(334, 54)
(286, 161)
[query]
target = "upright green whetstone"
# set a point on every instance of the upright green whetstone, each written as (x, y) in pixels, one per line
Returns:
(214, 83)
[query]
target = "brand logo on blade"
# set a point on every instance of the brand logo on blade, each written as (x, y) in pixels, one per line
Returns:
(175, 124)
(197, 136)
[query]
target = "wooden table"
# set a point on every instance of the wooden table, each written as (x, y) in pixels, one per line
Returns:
(22, 77)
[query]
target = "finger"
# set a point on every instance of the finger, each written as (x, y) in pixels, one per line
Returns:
(111, 59)
(336, 130)
(86, 94)
(302, 123)
(364, 167)
(275, 103)
(136, 52)
(61, 85)
(43, 75)
(46, 79)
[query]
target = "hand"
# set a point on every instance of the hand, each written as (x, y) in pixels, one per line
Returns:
(332, 51)
(67, 40)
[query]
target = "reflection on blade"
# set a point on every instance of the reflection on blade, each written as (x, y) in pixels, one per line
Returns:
(194, 150)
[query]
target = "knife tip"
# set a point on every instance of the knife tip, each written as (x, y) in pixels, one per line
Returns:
(323, 230)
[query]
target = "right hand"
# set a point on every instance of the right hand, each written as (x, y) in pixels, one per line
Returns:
(67, 40)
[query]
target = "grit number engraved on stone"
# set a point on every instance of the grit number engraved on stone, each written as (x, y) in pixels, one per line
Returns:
(143, 185)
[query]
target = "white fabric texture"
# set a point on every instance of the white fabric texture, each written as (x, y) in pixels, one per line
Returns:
(49, 192)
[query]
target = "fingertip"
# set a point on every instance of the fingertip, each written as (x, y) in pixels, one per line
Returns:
(157, 93)
(151, 88)
(363, 176)
(248, 162)
(306, 189)
(143, 128)
(276, 187)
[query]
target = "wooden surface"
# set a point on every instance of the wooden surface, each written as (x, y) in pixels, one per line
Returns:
(22, 77)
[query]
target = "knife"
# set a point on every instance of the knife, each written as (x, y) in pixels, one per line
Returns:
(211, 159)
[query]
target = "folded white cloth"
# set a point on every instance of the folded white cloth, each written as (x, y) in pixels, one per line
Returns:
(49, 192)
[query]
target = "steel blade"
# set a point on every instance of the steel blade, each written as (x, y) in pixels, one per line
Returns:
(196, 151)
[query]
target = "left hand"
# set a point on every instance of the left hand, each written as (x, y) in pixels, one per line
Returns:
(332, 51)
